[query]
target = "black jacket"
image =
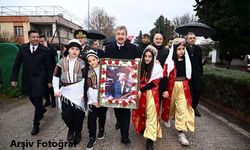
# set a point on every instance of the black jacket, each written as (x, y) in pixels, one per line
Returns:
(128, 51)
(195, 55)
(53, 55)
(37, 70)
(196, 60)
(162, 54)
(141, 48)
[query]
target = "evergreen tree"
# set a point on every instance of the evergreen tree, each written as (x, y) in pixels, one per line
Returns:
(138, 39)
(230, 19)
(163, 26)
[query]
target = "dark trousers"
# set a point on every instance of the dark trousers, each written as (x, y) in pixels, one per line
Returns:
(39, 109)
(116, 116)
(95, 113)
(195, 92)
(72, 117)
(123, 116)
(50, 96)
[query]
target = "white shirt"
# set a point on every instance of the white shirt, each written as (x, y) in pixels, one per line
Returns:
(71, 68)
(119, 45)
(122, 85)
(31, 48)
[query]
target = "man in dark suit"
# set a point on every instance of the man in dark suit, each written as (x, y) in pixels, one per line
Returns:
(122, 49)
(36, 74)
(50, 98)
(144, 43)
(195, 54)
(121, 86)
(161, 57)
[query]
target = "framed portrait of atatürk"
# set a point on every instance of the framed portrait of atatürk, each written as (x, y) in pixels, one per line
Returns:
(119, 83)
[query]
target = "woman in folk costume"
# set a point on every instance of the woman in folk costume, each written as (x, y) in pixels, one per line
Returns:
(146, 119)
(70, 71)
(178, 102)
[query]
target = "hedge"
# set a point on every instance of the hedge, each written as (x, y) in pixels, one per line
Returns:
(228, 87)
(7, 57)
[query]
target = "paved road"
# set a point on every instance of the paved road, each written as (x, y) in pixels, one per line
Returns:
(16, 124)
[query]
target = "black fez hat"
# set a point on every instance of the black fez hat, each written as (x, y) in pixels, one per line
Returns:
(80, 33)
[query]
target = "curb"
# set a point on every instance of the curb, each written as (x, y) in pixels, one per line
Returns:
(234, 126)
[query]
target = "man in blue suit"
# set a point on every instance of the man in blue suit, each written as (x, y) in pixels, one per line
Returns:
(120, 87)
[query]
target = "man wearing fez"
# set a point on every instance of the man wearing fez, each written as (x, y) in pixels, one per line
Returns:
(122, 49)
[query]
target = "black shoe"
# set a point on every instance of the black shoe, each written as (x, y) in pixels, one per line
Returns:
(117, 125)
(44, 111)
(149, 145)
(100, 134)
(126, 141)
(78, 138)
(35, 130)
(46, 104)
(91, 144)
(197, 113)
(70, 136)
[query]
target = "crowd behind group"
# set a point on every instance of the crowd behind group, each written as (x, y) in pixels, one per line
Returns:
(170, 84)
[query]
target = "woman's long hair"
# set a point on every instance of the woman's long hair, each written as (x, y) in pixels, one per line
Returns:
(175, 56)
(146, 69)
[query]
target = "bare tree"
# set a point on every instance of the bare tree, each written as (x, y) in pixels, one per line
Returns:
(101, 21)
(186, 18)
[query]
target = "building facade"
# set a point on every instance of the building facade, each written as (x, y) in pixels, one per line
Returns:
(56, 27)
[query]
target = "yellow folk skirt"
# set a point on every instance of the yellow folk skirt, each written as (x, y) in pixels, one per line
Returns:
(180, 110)
(153, 128)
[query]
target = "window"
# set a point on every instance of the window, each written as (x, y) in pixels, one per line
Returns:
(18, 30)
(49, 33)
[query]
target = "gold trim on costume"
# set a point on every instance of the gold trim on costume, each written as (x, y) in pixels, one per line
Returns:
(179, 109)
(153, 128)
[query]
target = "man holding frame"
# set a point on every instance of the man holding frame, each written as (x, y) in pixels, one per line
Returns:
(122, 49)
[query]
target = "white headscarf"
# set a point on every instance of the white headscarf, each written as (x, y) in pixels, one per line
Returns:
(157, 71)
(170, 62)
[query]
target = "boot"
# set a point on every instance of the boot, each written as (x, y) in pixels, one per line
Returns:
(149, 145)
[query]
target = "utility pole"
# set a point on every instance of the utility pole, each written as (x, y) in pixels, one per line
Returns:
(88, 14)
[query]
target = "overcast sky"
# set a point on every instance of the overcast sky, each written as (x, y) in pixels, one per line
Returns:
(136, 15)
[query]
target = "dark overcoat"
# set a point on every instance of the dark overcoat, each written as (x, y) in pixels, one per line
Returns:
(37, 70)
(197, 67)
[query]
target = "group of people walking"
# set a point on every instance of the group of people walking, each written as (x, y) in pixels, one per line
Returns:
(170, 85)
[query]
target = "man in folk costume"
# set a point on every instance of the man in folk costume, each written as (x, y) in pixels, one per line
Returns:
(70, 71)
(178, 102)
(146, 119)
